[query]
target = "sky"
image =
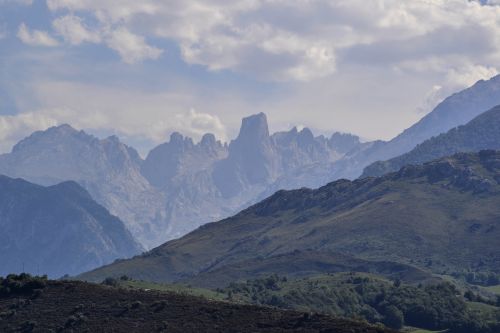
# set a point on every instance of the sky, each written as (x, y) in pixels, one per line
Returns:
(143, 69)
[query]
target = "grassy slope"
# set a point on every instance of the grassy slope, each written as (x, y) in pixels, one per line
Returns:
(304, 263)
(175, 288)
(494, 289)
(435, 217)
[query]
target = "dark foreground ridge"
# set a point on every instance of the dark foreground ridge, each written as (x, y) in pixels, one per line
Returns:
(36, 305)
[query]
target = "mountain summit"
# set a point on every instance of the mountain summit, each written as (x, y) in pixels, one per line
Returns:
(252, 159)
(107, 168)
(254, 129)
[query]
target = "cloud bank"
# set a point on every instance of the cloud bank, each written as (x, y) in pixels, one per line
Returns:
(145, 68)
(292, 39)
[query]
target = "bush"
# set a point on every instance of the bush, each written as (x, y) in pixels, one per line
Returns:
(22, 284)
(109, 281)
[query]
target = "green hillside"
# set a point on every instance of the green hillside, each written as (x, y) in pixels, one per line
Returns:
(442, 217)
(367, 297)
(435, 307)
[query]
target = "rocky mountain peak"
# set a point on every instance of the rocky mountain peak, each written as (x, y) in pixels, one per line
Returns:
(113, 138)
(64, 128)
(306, 136)
(208, 140)
(176, 137)
(253, 128)
(56, 135)
(343, 142)
(180, 142)
(209, 143)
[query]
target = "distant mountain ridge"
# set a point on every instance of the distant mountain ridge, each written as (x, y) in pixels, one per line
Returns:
(440, 217)
(181, 184)
(481, 133)
(107, 169)
(209, 181)
(57, 230)
(457, 109)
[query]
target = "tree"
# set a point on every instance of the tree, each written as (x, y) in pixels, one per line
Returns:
(393, 317)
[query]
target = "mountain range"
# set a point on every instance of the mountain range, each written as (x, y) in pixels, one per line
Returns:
(107, 169)
(440, 217)
(57, 230)
(389, 242)
(181, 185)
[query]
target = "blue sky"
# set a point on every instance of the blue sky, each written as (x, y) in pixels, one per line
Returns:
(142, 69)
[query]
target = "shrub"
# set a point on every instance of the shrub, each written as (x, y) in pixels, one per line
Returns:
(109, 281)
(22, 284)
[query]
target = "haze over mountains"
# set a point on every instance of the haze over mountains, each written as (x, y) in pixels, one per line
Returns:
(57, 230)
(483, 132)
(208, 181)
(456, 110)
(181, 185)
(108, 169)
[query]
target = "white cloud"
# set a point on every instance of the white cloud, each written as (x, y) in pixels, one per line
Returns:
(107, 10)
(14, 128)
(73, 30)
(35, 37)
(431, 99)
(468, 75)
(129, 114)
(198, 124)
(132, 48)
(291, 39)
(340, 60)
